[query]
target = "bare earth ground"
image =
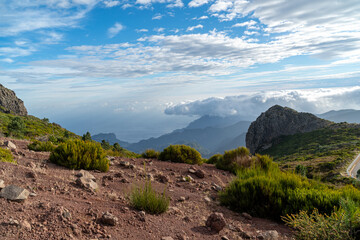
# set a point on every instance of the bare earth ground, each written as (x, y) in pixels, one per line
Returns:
(56, 195)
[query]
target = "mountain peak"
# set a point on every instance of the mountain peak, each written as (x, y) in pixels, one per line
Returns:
(280, 121)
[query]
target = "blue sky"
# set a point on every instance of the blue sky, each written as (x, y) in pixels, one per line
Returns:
(143, 68)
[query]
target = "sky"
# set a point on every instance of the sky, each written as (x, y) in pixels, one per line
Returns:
(146, 67)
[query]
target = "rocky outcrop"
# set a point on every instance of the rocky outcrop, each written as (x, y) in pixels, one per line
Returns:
(280, 121)
(9, 103)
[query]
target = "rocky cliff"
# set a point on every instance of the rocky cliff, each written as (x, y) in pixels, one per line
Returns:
(9, 103)
(279, 121)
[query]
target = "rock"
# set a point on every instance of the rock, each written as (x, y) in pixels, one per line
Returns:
(207, 199)
(10, 103)
(87, 183)
(26, 225)
(279, 121)
(192, 170)
(182, 199)
(85, 174)
(109, 219)
(31, 174)
(14, 193)
(246, 216)
(188, 178)
(10, 144)
(13, 222)
(216, 187)
(65, 213)
(216, 221)
(162, 178)
(141, 216)
(2, 184)
(200, 173)
(125, 164)
(167, 238)
(224, 238)
(269, 235)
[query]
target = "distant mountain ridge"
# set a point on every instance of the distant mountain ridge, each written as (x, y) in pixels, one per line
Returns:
(207, 134)
(111, 138)
(345, 115)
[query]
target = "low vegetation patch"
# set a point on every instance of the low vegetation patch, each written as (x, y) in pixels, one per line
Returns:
(147, 199)
(266, 191)
(341, 224)
(181, 154)
(39, 146)
(78, 154)
(150, 154)
(6, 156)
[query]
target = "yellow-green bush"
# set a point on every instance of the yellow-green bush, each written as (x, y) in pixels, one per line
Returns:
(151, 154)
(78, 154)
(235, 159)
(341, 224)
(6, 156)
(265, 191)
(39, 146)
(215, 158)
(181, 154)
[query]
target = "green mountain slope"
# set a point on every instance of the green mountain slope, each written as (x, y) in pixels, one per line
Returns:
(325, 152)
(30, 127)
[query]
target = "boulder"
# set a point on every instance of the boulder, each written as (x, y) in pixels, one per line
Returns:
(87, 183)
(200, 173)
(280, 121)
(108, 219)
(216, 221)
(85, 174)
(10, 103)
(10, 145)
(14, 193)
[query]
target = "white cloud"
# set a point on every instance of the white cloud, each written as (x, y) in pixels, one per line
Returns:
(200, 18)
(197, 3)
(170, 3)
(157, 16)
(110, 3)
(114, 30)
(41, 14)
(7, 60)
(251, 33)
(245, 24)
(189, 29)
(315, 101)
(160, 29)
(142, 30)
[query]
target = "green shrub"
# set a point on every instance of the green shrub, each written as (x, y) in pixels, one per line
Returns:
(181, 154)
(214, 159)
(105, 145)
(86, 137)
(148, 200)
(339, 225)
(235, 159)
(117, 147)
(151, 154)
(266, 191)
(301, 170)
(77, 154)
(6, 156)
(41, 146)
(16, 127)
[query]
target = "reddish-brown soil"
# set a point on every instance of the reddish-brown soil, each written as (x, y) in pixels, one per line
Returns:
(56, 194)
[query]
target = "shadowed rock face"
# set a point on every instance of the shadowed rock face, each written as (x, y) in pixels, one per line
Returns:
(10, 103)
(280, 121)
